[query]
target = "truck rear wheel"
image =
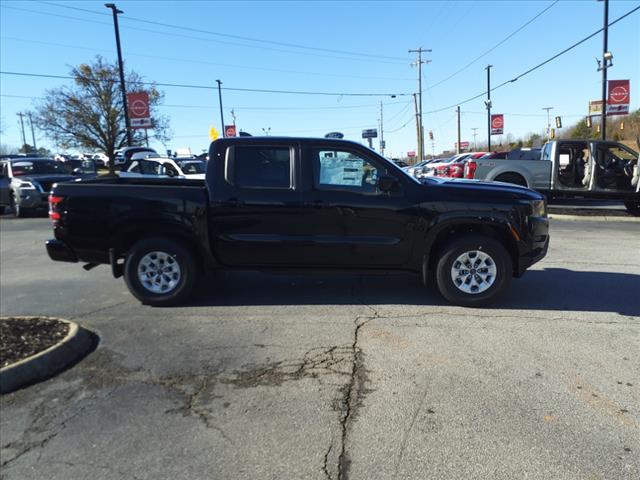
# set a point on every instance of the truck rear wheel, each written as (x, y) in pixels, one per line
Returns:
(511, 178)
(160, 272)
(473, 271)
(633, 207)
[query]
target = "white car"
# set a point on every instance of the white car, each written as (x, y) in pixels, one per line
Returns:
(100, 159)
(164, 167)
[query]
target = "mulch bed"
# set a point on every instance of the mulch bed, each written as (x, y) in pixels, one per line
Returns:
(22, 337)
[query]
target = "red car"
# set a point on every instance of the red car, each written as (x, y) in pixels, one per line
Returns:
(456, 169)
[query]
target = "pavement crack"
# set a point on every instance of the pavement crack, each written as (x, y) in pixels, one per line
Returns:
(353, 394)
(97, 310)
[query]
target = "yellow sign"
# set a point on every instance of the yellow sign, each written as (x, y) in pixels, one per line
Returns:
(213, 134)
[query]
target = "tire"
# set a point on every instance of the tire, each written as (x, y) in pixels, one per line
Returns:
(633, 207)
(172, 287)
(511, 178)
(496, 273)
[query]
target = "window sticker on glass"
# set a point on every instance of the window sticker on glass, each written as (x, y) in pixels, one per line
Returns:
(341, 168)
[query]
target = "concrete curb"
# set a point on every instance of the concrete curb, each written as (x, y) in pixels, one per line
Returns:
(78, 343)
(592, 218)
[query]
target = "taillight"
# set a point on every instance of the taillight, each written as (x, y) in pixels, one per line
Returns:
(455, 171)
(470, 169)
(54, 203)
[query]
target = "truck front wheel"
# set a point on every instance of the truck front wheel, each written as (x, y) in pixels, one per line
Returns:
(633, 207)
(160, 272)
(473, 271)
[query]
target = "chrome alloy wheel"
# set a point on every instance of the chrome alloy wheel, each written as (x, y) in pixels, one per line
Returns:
(159, 272)
(473, 272)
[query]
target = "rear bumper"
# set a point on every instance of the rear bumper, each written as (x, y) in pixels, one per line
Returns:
(537, 244)
(60, 251)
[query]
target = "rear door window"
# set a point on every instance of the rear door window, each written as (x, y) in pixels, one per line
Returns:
(261, 167)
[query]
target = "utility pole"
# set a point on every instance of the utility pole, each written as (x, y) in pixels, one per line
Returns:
(224, 133)
(548, 120)
(606, 56)
(488, 104)
(123, 88)
(381, 130)
(475, 134)
(419, 64)
(415, 106)
(24, 140)
(33, 135)
(458, 144)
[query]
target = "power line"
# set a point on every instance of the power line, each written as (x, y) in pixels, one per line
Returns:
(209, 87)
(203, 62)
(211, 40)
(495, 46)
(537, 66)
(237, 37)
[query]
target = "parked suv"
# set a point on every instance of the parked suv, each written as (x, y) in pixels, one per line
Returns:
(25, 183)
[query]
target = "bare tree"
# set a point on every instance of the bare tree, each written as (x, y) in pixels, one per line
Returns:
(90, 115)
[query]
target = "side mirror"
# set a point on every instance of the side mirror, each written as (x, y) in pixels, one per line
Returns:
(388, 184)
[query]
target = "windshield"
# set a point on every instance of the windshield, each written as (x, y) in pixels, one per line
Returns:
(85, 166)
(190, 168)
(37, 168)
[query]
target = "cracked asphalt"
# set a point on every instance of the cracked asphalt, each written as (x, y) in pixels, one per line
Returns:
(335, 377)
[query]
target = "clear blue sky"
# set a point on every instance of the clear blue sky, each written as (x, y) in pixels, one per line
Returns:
(48, 38)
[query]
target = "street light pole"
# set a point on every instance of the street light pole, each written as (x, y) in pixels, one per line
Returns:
(603, 122)
(127, 123)
(475, 134)
(548, 120)
(419, 64)
(224, 132)
(488, 103)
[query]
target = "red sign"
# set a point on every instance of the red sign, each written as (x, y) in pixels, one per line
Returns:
(619, 92)
(139, 115)
(497, 124)
(229, 130)
(462, 144)
(411, 154)
(619, 97)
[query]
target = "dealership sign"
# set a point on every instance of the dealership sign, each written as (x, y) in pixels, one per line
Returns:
(595, 107)
(619, 97)
(370, 133)
(139, 114)
(230, 131)
(462, 145)
(497, 124)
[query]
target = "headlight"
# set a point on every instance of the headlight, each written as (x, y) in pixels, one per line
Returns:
(23, 184)
(539, 208)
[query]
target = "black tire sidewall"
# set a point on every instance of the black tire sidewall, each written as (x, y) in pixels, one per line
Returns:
(450, 253)
(188, 271)
(633, 207)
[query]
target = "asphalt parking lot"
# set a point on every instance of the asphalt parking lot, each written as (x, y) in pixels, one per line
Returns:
(336, 377)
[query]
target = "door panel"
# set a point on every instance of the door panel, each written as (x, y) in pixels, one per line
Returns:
(355, 223)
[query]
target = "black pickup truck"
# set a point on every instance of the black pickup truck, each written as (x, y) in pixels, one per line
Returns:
(300, 204)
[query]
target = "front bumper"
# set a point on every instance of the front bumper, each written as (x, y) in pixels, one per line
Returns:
(537, 243)
(60, 251)
(34, 199)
